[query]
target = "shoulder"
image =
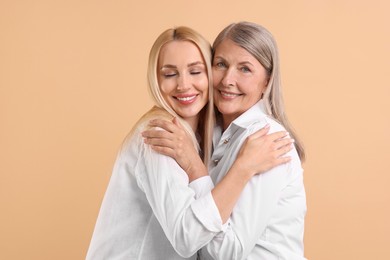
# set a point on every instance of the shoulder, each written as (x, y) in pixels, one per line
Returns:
(256, 125)
(295, 164)
(133, 142)
(275, 126)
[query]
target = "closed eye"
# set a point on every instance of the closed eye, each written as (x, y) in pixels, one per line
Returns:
(170, 75)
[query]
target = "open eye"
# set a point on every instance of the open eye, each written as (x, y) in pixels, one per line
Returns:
(245, 69)
(220, 64)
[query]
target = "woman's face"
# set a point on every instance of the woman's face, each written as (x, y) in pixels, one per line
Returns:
(239, 80)
(182, 77)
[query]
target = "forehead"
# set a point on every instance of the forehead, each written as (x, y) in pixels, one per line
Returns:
(179, 52)
(228, 49)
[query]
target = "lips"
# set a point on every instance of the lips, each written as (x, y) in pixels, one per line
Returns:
(228, 95)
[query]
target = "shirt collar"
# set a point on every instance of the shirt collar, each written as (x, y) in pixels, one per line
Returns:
(253, 114)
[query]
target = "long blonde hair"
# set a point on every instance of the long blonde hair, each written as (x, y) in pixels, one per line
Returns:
(260, 43)
(162, 108)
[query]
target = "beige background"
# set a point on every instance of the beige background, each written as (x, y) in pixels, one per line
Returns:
(72, 83)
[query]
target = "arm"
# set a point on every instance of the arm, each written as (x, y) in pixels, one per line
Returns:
(153, 184)
(165, 186)
(269, 213)
(259, 153)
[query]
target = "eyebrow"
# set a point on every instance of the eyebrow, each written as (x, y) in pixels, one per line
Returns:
(245, 63)
(195, 63)
(240, 63)
(169, 66)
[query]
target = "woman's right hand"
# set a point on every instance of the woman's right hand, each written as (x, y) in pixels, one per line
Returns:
(176, 143)
(261, 151)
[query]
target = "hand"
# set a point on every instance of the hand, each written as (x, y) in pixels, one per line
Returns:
(176, 143)
(261, 151)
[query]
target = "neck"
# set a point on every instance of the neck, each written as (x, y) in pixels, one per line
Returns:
(226, 121)
(193, 122)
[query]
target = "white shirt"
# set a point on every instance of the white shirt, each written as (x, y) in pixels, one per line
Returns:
(268, 219)
(149, 212)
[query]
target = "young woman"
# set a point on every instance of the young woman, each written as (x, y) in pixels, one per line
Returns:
(148, 211)
(267, 221)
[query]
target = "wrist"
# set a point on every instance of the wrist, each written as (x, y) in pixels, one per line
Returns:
(196, 170)
(239, 167)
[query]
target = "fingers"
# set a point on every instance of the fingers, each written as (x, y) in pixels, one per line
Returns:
(282, 160)
(281, 152)
(163, 150)
(164, 124)
(177, 123)
(156, 134)
(279, 143)
(259, 133)
(160, 142)
(277, 135)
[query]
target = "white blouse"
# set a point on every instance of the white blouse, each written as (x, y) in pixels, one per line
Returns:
(149, 212)
(268, 219)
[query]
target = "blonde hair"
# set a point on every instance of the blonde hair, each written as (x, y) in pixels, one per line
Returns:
(162, 108)
(260, 43)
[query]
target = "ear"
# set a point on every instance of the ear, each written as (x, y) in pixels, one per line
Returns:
(267, 81)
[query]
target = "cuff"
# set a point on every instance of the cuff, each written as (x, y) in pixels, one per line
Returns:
(207, 213)
(201, 186)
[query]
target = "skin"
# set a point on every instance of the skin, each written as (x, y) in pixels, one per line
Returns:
(183, 80)
(239, 80)
(183, 83)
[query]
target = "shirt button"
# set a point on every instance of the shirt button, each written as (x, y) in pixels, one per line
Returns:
(216, 161)
(226, 141)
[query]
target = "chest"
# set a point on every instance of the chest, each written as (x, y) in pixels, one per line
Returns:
(225, 153)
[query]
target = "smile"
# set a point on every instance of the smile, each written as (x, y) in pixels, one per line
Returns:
(229, 95)
(185, 98)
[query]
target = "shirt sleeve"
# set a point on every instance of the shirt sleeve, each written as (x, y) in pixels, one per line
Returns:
(252, 213)
(166, 188)
(202, 186)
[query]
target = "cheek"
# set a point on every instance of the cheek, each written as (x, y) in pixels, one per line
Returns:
(166, 87)
(262, 86)
(217, 77)
(205, 85)
(202, 84)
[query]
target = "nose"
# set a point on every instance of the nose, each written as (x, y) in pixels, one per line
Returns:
(229, 78)
(183, 83)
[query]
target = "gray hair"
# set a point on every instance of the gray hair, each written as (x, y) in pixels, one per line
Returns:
(260, 43)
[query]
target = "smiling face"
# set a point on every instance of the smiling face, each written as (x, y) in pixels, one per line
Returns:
(239, 80)
(182, 77)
